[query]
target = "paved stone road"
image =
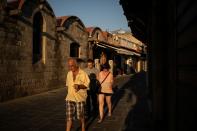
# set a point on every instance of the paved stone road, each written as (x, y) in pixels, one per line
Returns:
(121, 107)
(46, 112)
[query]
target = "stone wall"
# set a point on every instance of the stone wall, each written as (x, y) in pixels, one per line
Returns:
(71, 31)
(10, 57)
(18, 76)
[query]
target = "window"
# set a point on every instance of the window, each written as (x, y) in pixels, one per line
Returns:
(97, 36)
(74, 50)
(37, 37)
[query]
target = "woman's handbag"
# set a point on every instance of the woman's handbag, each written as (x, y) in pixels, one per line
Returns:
(99, 87)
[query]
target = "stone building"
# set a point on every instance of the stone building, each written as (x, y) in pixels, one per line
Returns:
(28, 49)
(131, 51)
(100, 48)
(95, 37)
(169, 28)
(116, 49)
(35, 46)
(72, 37)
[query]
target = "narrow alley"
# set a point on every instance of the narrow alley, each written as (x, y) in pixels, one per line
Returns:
(46, 111)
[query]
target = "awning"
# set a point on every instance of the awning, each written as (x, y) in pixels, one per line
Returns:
(119, 50)
(107, 46)
(127, 52)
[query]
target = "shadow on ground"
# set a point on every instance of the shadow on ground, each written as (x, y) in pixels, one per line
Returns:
(139, 116)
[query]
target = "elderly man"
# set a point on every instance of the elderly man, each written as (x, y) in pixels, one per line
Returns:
(77, 83)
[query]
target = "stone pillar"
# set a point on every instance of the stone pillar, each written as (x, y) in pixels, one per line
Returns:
(111, 66)
(145, 65)
(97, 64)
(90, 50)
(103, 58)
(138, 66)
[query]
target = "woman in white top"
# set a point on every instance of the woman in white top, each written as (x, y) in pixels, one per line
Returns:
(105, 77)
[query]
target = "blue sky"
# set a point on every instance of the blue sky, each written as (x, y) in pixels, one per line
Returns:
(106, 14)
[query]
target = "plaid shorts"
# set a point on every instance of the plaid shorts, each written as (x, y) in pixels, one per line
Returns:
(75, 110)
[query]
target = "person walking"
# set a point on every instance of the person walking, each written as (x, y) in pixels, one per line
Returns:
(77, 83)
(105, 77)
(92, 102)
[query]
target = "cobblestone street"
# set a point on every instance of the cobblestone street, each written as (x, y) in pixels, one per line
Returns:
(46, 111)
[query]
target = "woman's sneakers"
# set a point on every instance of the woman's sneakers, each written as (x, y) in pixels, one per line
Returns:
(100, 120)
(109, 114)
